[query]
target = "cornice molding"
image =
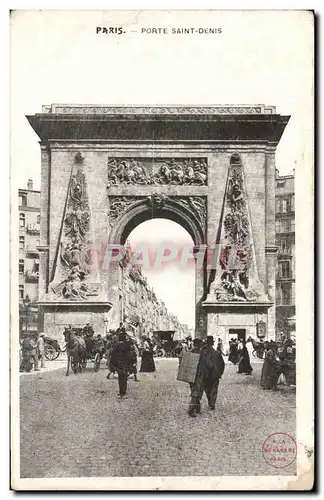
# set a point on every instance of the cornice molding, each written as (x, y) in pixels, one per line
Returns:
(224, 109)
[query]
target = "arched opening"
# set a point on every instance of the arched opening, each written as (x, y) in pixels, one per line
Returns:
(186, 214)
(158, 279)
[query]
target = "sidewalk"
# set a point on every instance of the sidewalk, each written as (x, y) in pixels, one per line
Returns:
(50, 366)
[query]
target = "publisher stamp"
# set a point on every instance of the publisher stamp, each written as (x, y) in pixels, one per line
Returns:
(279, 450)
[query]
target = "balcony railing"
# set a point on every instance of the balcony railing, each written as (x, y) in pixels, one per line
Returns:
(32, 276)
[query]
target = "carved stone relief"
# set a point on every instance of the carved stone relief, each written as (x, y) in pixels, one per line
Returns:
(236, 275)
(118, 205)
(74, 256)
(197, 205)
(150, 110)
(174, 171)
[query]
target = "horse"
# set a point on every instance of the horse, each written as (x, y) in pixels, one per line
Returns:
(177, 173)
(76, 351)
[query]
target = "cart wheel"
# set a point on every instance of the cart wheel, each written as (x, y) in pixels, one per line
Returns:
(96, 362)
(50, 353)
(57, 353)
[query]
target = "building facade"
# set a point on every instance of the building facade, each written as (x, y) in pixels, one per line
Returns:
(29, 239)
(285, 241)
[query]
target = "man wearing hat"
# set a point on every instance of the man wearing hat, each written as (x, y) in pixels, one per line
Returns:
(210, 369)
(41, 348)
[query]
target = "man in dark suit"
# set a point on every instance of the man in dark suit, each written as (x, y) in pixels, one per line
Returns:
(122, 358)
(209, 372)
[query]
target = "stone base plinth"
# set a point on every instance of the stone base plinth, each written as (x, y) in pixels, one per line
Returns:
(57, 316)
(235, 319)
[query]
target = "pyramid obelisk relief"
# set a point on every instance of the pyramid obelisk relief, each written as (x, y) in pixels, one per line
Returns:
(236, 275)
(75, 273)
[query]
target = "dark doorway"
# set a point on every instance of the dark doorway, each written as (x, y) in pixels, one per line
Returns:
(237, 333)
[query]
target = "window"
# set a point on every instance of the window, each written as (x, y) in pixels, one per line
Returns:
(38, 218)
(278, 205)
(288, 201)
(36, 267)
(285, 269)
(22, 200)
(286, 226)
(21, 266)
(21, 220)
(21, 242)
(21, 291)
(284, 206)
(284, 246)
(286, 294)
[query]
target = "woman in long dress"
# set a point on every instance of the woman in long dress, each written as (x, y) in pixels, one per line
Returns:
(270, 368)
(244, 365)
(147, 364)
(233, 352)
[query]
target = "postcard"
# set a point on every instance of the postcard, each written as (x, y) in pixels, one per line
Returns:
(162, 180)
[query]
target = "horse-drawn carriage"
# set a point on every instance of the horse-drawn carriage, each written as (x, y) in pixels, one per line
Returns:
(80, 350)
(165, 344)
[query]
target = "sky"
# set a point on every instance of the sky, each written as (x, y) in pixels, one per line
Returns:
(261, 57)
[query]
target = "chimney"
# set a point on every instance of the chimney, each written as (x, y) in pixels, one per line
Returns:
(30, 184)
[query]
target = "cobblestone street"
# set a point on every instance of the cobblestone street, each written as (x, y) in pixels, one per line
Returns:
(77, 426)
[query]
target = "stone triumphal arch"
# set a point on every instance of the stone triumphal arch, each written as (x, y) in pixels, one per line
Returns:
(105, 169)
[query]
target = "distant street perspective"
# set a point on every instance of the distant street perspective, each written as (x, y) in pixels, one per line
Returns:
(77, 426)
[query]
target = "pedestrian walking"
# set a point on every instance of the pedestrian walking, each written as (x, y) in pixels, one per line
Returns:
(30, 352)
(287, 366)
(220, 346)
(179, 349)
(41, 349)
(270, 368)
(133, 360)
(233, 352)
(244, 366)
(121, 358)
(147, 364)
(209, 372)
(112, 341)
